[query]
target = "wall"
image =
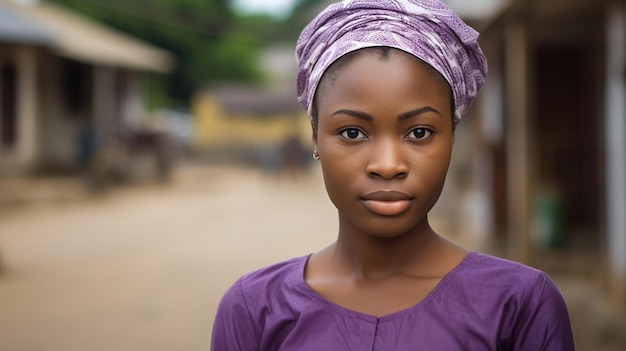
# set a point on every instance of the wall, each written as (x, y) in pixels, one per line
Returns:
(215, 128)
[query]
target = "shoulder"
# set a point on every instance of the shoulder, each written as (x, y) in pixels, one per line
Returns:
(244, 308)
(500, 274)
(525, 300)
(508, 280)
(500, 287)
(271, 284)
(492, 282)
(491, 270)
(283, 273)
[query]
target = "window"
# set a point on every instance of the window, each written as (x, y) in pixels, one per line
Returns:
(8, 105)
(77, 86)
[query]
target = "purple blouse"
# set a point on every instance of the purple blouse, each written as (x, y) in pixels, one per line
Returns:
(485, 303)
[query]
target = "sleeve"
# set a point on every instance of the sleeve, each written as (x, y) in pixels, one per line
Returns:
(545, 323)
(233, 329)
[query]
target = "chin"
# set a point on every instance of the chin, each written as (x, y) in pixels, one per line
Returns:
(392, 227)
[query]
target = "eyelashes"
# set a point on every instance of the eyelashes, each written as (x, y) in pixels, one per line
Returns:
(420, 133)
(352, 134)
(356, 134)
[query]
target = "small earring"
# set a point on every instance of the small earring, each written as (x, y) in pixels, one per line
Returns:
(316, 155)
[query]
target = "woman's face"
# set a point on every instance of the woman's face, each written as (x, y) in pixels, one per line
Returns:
(384, 136)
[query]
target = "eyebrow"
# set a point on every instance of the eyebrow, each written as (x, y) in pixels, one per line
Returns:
(360, 115)
(401, 117)
(417, 112)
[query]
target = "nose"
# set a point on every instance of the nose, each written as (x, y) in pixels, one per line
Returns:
(387, 160)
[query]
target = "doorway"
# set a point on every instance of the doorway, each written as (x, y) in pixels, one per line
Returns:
(567, 122)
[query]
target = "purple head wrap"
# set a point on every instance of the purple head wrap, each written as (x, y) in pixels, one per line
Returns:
(427, 29)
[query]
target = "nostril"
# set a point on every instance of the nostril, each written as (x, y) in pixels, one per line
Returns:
(388, 174)
(401, 175)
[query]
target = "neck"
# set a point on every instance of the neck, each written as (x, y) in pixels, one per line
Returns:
(374, 258)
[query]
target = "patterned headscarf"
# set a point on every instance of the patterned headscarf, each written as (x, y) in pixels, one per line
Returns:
(427, 29)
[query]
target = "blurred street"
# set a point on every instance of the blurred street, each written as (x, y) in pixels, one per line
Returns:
(143, 267)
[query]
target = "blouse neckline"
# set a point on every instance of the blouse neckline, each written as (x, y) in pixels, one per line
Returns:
(391, 316)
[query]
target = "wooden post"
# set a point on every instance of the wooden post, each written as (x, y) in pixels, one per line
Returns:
(104, 102)
(517, 150)
(615, 152)
(27, 107)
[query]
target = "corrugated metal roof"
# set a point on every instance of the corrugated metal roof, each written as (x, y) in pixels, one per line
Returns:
(84, 40)
(16, 29)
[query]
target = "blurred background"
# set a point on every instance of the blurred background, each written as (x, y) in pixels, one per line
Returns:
(152, 151)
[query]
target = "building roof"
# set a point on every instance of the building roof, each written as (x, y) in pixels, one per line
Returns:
(16, 29)
(251, 101)
(82, 39)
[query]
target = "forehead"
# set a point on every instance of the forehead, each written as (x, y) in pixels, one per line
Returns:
(382, 68)
(373, 56)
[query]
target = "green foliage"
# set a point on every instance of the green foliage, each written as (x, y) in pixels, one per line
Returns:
(268, 30)
(155, 90)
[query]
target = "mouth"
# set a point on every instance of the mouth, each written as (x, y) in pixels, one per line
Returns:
(387, 202)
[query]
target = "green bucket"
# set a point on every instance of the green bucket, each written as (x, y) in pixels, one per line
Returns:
(548, 225)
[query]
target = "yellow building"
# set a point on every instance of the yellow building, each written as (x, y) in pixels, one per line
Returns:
(247, 118)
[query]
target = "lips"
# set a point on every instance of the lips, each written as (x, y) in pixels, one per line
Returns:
(387, 202)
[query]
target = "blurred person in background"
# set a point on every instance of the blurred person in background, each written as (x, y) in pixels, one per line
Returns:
(293, 158)
(88, 147)
(385, 83)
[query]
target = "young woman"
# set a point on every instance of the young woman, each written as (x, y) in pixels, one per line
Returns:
(385, 83)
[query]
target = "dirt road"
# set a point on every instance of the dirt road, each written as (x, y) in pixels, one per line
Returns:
(143, 269)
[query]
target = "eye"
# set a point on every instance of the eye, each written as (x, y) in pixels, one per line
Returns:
(420, 133)
(352, 133)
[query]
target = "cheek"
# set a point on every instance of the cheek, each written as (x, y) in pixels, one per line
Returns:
(429, 166)
(441, 156)
(334, 186)
(337, 176)
(437, 171)
(340, 171)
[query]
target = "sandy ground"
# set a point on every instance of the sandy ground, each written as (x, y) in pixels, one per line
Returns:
(143, 268)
